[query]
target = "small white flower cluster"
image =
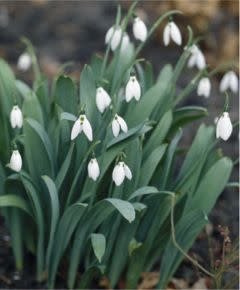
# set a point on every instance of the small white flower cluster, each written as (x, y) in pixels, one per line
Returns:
(115, 35)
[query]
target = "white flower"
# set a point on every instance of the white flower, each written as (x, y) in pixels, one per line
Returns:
(24, 62)
(197, 58)
(224, 127)
(229, 81)
(15, 161)
(125, 42)
(120, 171)
(93, 169)
(114, 34)
(172, 31)
(82, 124)
(16, 117)
(139, 29)
(204, 87)
(133, 89)
(117, 124)
(103, 99)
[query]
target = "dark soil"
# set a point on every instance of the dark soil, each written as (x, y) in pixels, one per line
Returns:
(64, 31)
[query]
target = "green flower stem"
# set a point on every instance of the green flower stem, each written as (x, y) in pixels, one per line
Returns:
(195, 263)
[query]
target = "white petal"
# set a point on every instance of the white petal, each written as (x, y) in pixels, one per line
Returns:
(224, 83)
(224, 127)
(128, 172)
(166, 35)
(16, 161)
(192, 61)
(24, 62)
(87, 129)
(109, 34)
(93, 169)
(103, 100)
(233, 81)
(136, 90)
(204, 87)
(16, 117)
(175, 33)
(118, 174)
(125, 42)
(122, 124)
(139, 29)
(115, 127)
(116, 38)
(201, 63)
(76, 129)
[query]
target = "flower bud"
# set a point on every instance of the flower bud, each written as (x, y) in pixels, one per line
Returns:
(16, 117)
(172, 31)
(113, 35)
(15, 161)
(229, 81)
(93, 169)
(103, 99)
(224, 127)
(204, 87)
(139, 29)
(24, 62)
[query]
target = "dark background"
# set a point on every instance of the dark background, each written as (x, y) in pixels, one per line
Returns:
(64, 31)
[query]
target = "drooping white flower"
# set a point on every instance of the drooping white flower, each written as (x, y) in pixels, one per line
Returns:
(93, 169)
(171, 31)
(120, 171)
(229, 81)
(113, 35)
(82, 124)
(133, 89)
(197, 58)
(224, 127)
(16, 117)
(118, 124)
(103, 99)
(24, 61)
(204, 87)
(125, 42)
(15, 161)
(139, 29)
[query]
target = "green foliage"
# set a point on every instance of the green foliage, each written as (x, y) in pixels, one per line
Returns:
(52, 207)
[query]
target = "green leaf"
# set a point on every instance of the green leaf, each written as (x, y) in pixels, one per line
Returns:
(68, 117)
(150, 164)
(124, 207)
(187, 229)
(158, 133)
(143, 191)
(38, 150)
(67, 225)
(12, 200)
(55, 208)
(66, 94)
(99, 245)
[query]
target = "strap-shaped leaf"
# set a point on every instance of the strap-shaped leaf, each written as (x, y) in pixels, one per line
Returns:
(99, 245)
(12, 200)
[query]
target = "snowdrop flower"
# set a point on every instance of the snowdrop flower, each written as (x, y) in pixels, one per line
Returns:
(93, 169)
(133, 89)
(125, 42)
(114, 34)
(224, 127)
(118, 124)
(24, 61)
(16, 117)
(15, 161)
(204, 87)
(103, 99)
(197, 58)
(139, 29)
(171, 31)
(82, 124)
(229, 81)
(120, 171)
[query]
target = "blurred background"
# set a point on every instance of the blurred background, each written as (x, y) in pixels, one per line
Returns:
(63, 31)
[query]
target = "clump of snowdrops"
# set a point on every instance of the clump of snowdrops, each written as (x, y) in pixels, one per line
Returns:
(88, 171)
